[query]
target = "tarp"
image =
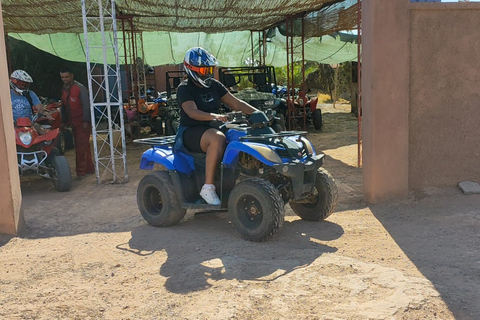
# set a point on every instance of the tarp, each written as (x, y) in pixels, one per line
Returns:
(231, 49)
(210, 16)
(222, 27)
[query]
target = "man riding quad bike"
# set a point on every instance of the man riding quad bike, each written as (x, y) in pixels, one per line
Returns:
(260, 172)
(255, 170)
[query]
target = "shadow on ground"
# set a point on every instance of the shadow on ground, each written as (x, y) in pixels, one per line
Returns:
(195, 257)
(440, 234)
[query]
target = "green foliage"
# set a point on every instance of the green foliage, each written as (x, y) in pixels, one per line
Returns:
(322, 77)
(326, 78)
(344, 80)
(281, 72)
(43, 67)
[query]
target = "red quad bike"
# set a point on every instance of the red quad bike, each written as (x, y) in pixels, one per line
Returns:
(37, 154)
(312, 114)
(65, 138)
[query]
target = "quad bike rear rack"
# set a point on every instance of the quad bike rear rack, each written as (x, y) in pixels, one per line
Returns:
(157, 141)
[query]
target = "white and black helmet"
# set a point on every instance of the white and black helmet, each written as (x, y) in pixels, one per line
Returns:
(199, 65)
(20, 81)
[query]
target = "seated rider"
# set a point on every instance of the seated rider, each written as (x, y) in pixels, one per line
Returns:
(199, 99)
(24, 101)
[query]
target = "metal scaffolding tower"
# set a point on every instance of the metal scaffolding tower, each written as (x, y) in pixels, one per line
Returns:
(104, 83)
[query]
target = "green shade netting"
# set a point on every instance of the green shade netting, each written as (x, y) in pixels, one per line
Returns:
(167, 48)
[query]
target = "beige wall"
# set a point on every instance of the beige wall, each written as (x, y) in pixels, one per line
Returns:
(444, 94)
(420, 83)
(11, 216)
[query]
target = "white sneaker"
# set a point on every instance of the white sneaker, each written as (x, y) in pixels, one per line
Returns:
(209, 194)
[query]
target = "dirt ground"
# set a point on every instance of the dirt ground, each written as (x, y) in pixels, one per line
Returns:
(88, 254)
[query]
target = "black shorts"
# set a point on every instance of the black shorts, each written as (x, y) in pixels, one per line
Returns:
(192, 137)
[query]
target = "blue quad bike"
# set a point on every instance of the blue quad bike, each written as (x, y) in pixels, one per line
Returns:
(260, 173)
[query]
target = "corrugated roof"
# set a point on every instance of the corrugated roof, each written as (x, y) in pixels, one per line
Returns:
(210, 16)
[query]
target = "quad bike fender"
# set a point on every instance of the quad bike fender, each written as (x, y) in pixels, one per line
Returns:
(306, 143)
(166, 158)
(312, 104)
(50, 135)
(263, 153)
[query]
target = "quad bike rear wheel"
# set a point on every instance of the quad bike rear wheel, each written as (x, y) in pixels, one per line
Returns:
(68, 135)
(158, 126)
(157, 201)
(61, 175)
(60, 145)
(323, 200)
(280, 124)
(256, 209)
(169, 130)
(317, 119)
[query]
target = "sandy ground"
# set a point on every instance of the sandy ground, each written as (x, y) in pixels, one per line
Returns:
(88, 254)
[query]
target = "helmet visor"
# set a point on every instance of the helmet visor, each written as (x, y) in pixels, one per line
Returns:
(203, 71)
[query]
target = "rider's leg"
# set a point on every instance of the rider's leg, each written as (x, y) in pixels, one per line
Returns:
(213, 144)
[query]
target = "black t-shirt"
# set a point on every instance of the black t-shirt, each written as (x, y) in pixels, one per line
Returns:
(206, 99)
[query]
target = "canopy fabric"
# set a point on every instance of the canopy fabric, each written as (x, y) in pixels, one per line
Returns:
(231, 49)
(170, 28)
(210, 16)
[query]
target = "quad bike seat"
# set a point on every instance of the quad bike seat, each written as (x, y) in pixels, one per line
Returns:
(179, 146)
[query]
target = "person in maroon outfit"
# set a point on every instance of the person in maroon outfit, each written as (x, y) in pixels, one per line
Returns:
(76, 113)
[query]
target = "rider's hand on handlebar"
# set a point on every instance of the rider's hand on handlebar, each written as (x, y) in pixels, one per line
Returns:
(220, 117)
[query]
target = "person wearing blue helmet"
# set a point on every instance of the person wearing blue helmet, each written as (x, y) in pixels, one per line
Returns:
(199, 98)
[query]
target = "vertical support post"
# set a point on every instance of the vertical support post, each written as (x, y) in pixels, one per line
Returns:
(359, 70)
(296, 111)
(101, 43)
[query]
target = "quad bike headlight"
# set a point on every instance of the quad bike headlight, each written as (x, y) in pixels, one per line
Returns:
(25, 137)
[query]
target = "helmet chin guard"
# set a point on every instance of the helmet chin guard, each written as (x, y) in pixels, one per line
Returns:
(199, 65)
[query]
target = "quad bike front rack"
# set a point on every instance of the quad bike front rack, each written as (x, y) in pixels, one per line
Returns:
(30, 160)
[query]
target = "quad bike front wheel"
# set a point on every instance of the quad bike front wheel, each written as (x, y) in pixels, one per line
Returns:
(157, 201)
(256, 209)
(61, 175)
(321, 202)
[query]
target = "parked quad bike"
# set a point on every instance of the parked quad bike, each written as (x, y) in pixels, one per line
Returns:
(65, 137)
(262, 91)
(145, 114)
(37, 154)
(309, 111)
(260, 172)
